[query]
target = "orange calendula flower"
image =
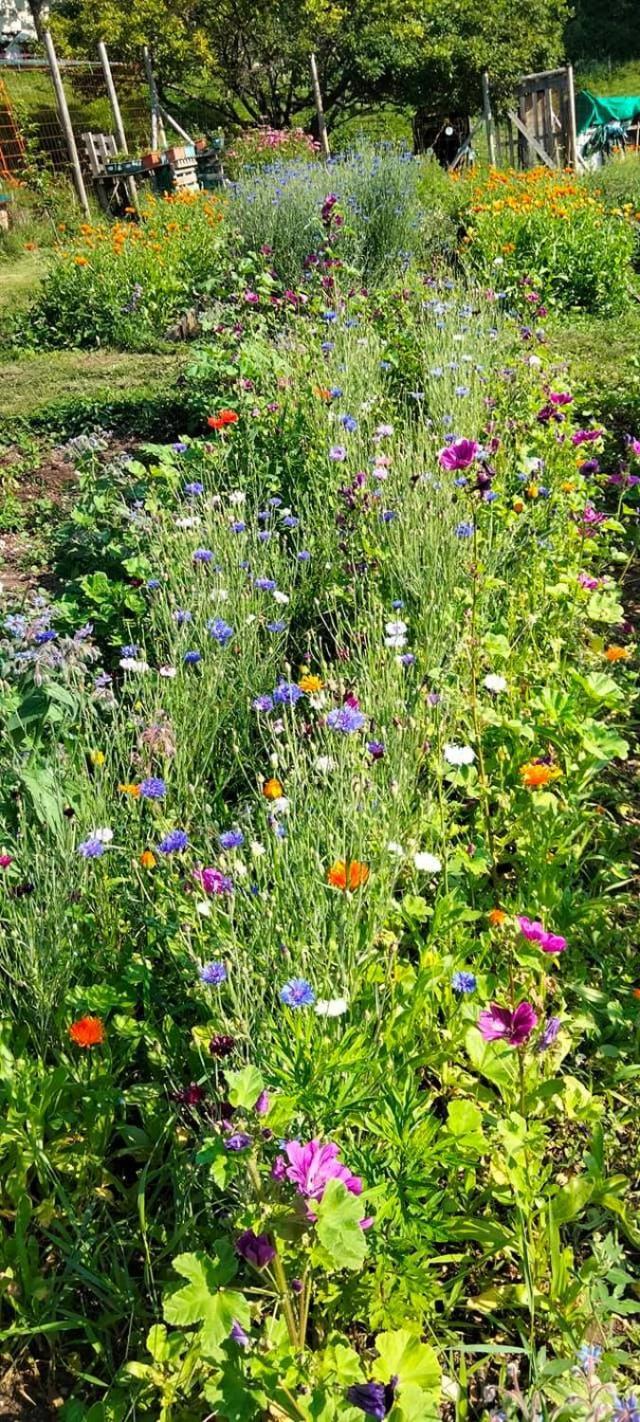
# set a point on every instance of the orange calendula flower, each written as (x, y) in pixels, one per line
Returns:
(322, 392)
(535, 776)
(147, 859)
(87, 1032)
(129, 790)
(635, 992)
(81, 261)
(310, 683)
(497, 916)
(568, 487)
(617, 654)
(272, 789)
(517, 505)
(347, 876)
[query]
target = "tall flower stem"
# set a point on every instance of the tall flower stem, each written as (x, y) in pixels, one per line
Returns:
(483, 780)
(277, 1265)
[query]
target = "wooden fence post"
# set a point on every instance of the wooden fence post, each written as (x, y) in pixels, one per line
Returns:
(574, 157)
(317, 94)
(117, 117)
(488, 119)
(65, 120)
(158, 135)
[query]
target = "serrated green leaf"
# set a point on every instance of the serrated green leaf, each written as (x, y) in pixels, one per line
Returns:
(338, 1227)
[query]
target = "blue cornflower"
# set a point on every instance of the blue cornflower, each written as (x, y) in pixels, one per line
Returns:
(337, 453)
(220, 631)
(304, 555)
(346, 719)
(153, 583)
(49, 635)
(489, 496)
(213, 974)
(349, 423)
(275, 502)
(129, 650)
(179, 447)
(191, 659)
(327, 347)
(297, 993)
(461, 482)
(276, 626)
(406, 659)
(335, 392)
(194, 489)
(91, 848)
(153, 789)
(265, 536)
(388, 515)
(265, 584)
(289, 521)
(203, 555)
(329, 316)
(238, 526)
(263, 703)
(231, 839)
(174, 842)
(464, 530)
(287, 693)
(397, 604)
(549, 1033)
(376, 749)
(464, 982)
(180, 616)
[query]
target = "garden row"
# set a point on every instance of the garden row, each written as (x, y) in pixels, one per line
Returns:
(319, 1025)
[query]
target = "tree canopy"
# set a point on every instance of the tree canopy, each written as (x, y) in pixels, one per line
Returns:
(253, 55)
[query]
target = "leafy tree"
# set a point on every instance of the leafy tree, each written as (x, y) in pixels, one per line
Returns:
(600, 30)
(253, 55)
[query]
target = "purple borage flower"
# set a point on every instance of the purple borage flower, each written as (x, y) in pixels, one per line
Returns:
(239, 1141)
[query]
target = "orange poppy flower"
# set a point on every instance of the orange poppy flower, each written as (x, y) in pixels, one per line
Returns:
(129, 790)
(635, 992)
(535, 777)
(497, 916)
(87, 1032)
(310, 683)
(147, 859)
(322, 392)
(617, 654)
(272, 789)
(347, 876)
(224, 417)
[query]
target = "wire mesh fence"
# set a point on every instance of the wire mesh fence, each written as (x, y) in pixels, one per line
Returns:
(31, 133)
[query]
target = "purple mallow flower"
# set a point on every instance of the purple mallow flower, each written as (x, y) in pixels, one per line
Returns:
(534, 932)
(313, 1165)
(375, 1399)
(501, 1024)
(238, 1335)
(458, 455)
(256, 1249)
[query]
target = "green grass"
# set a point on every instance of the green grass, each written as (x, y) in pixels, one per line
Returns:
(41, 384)
(606, 78)
(19, 280)
(604, 359)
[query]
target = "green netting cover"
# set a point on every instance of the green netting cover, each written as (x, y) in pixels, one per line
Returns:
(618, 108)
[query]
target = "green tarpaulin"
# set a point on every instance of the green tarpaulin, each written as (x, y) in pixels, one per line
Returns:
(592, 111)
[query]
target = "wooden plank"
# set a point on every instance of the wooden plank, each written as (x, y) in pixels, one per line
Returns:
(90, 148)
(533, 142)
(464, 148)
(488, 119)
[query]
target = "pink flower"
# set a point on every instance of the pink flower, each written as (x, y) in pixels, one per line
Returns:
(312, 1166)
(5, 860)
(500, 1024)
(634, 446)
(213, 881)
(535, 932)
(587, 437)
(560, 397)
(458, 455)
(586, 581)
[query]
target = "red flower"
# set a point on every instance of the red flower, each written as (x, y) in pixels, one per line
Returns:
(224, 417)
(87, 1032)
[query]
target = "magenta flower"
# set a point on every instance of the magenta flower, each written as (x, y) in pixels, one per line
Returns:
(257, 1249)
(634, 446)
(535, 932)
(458, 455)
(213, 881)
(312, 1166)
(5, 860)
(500, 1024)
(588, 437)
(586, 581)
(560, 397)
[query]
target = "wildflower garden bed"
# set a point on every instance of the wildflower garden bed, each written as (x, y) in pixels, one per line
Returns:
(319, 1017)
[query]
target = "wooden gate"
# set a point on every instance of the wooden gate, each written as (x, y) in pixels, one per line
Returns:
(546, 119)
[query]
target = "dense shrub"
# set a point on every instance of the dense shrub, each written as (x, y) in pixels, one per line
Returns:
(125, 282)
(550, 230)
(378, 225)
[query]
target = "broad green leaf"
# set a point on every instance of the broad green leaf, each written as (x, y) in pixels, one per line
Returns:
(203, 1301)
(244, 1087)
(603, 741)
(571, 1199)
(604, 607)
(402, 1355)
(494, 1061)
(464, 1121)
(338, 1227)
(415, 1405)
